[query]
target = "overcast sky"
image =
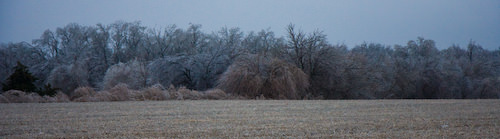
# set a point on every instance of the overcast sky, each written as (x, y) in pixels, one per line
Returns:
(351, 22)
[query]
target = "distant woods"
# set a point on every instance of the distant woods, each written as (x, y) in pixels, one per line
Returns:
(300, 65)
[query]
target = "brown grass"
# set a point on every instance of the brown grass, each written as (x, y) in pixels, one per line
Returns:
(254, 118)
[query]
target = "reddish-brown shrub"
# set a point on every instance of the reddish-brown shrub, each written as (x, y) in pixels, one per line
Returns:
(3, 99)
(184, 93)
(172, 92)
(102, 96)
(120, 92)
(154, 92)
(82, 94)
(285, 81)
(87, 94)
(215, 94)
(16, 96)
(59, 97)
(253, 76)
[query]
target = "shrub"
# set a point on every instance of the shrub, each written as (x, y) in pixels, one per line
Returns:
(16, 96)
(120, 92)
(154, 92)
(216, 94)
(83, 94)
(102, 96)
(57, 97)
(285, 81)
(253, 76)
(172, 92)
(3, 99)
(61, 97)
(184, 93)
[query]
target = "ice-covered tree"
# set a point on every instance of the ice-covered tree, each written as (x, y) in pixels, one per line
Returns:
(133, 73)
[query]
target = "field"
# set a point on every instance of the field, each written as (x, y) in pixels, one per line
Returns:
(254, 118)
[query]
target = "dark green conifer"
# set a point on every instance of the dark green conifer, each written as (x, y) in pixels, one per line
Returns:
(21, 79)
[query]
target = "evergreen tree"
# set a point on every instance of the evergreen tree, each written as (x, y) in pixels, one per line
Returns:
(21, 79)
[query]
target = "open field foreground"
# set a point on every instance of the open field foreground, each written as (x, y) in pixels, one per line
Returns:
(254, 118)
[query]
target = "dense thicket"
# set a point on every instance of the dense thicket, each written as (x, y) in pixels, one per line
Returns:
(297, 66)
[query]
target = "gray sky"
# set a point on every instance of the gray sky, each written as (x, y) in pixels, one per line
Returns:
(348, 21)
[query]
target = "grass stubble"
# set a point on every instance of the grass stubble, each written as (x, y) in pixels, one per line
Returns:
(254, 118)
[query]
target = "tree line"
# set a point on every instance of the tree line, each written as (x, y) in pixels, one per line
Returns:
(300, 65)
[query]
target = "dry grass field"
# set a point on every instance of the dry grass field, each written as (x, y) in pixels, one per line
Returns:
(254, 118)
